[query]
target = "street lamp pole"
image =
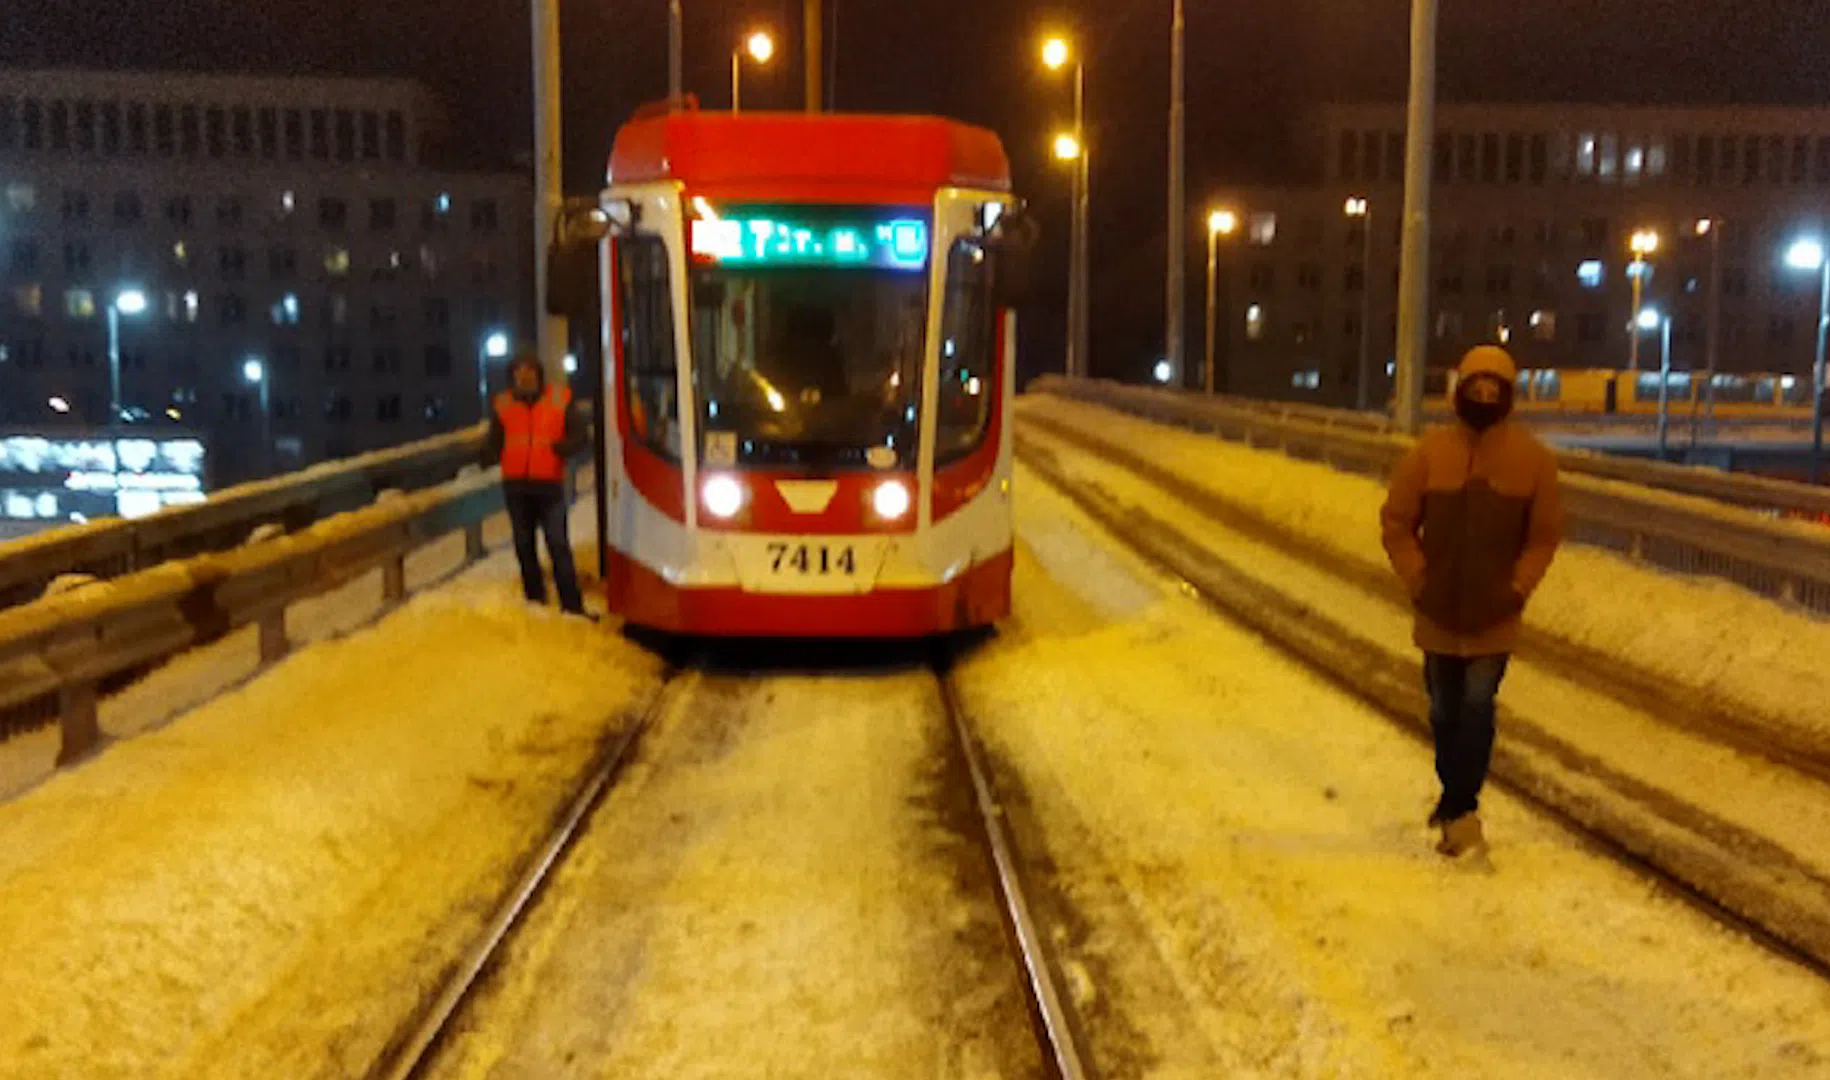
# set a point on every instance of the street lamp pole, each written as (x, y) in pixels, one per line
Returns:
(1219, 223)
(1664, 385)
(761, 48)
(1705, 396)
(1644, 245)
(1178, 222)
(1414, 269)
(1361, 208)
(1081, 290)
(114, 363)
(255, 371)
(551, 336)
(676, 53)
(1818, 374)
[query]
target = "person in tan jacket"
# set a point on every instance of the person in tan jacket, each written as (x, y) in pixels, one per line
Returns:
(1471, 522)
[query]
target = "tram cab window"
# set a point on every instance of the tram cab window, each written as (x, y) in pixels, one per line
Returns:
(1646, 390)
(968, 354)
(650, 367)
(808, 366)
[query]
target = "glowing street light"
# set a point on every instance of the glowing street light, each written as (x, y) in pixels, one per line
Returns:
(132, 303)
(1644, 243)
(1649, 319)
(495, 346)
(760, 46)
(254, 372)
(1164, 371)
(1359, 208)
(1809, 254)
(59, 405)
(1220, 222)
(1058, 53)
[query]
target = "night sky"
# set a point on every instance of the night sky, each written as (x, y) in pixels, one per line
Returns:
(1253, 65)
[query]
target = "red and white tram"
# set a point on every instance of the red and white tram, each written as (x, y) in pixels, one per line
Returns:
(810, 362)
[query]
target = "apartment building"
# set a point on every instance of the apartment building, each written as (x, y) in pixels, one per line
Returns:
(1534, 210)
(313, 234)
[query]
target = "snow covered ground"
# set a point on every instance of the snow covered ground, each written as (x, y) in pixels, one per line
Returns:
(266, 885)
(1252, 887)
(1734, 648)
(778, 888)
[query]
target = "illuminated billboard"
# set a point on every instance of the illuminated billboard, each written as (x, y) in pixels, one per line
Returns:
(62, 478)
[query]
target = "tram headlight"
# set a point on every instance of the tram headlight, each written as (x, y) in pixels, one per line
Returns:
(722, 495)
(891, 500)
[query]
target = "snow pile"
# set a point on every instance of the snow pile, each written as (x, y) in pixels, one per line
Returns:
(1246, 848)
(778, 889)
(267, 887)
(1730, 645)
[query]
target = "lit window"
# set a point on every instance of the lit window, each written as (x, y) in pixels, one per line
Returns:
(1254, 322)
(1634, 162)
(181, 254)
(1544, 325)
(29, 300)
(1585, 155)
(79, 303)
(1591, 273)
(21, 198)
(188, 306)
(1263, 230)
(336, 262)
(1306, 380)
(286, 311)
(288, 203)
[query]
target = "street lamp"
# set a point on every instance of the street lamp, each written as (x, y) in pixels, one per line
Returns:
(761, 48)
(132, 303)
(254, 372)
(1057, 53)
(1809, 254)
(1644, 244)
(1219, 223)
(1712, 308)
(495, 347)
(1359, 208)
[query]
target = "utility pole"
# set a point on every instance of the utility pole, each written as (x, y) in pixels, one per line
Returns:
(1414, 268)
(548, 141)
(676, 53)
(1178, 215)
(815, 22)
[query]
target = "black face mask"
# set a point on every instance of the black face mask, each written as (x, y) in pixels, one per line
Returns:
(1480, 407)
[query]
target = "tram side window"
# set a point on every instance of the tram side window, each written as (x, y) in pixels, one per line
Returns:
(968, 354)
(649, 358)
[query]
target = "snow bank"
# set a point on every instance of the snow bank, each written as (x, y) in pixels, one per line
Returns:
(1245, 847)
(1735, 648)
(266, 887)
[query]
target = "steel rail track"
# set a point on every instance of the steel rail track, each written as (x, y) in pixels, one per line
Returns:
(1058, 1031)
(1351, 664)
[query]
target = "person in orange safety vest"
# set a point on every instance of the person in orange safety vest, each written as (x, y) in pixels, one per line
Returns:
(533, 430)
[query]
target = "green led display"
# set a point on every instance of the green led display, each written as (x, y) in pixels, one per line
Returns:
(783, 239)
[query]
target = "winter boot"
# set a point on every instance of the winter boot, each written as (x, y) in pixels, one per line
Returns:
(1438, 816)
(1461, 836)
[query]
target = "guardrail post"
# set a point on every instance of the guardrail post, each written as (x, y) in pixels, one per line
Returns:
(274, 644)
(78, 723)
(473, 542)
(394, 581)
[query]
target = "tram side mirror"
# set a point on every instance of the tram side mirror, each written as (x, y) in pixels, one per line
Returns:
(572, 255)
(1013, 248)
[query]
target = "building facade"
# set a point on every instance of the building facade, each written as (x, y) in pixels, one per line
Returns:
(1534, 208)
(302, 232)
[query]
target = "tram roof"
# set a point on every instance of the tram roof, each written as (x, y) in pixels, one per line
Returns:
(801, 157)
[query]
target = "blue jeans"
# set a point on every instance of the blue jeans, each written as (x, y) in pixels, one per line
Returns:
(1462, 706)
(541, 508)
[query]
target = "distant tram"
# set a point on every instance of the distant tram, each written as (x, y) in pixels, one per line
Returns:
(1609, 392)
(809, 369)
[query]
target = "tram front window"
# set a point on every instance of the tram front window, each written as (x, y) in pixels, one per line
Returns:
(801, 366)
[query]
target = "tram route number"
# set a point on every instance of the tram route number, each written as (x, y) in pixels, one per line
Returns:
(812, 559)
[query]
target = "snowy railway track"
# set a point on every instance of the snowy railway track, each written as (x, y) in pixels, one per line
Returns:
(1057, 1029)
(418, 1047)
(1731, 874)
(414, 1048)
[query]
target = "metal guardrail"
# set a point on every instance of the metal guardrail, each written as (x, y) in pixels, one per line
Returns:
(1737, 489)
(1786, 561)
(58, 654)
(114, 547)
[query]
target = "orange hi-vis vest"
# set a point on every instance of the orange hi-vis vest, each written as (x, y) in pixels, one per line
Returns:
(531, 433)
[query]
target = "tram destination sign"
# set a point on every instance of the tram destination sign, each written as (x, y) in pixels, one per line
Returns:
(844, 238)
